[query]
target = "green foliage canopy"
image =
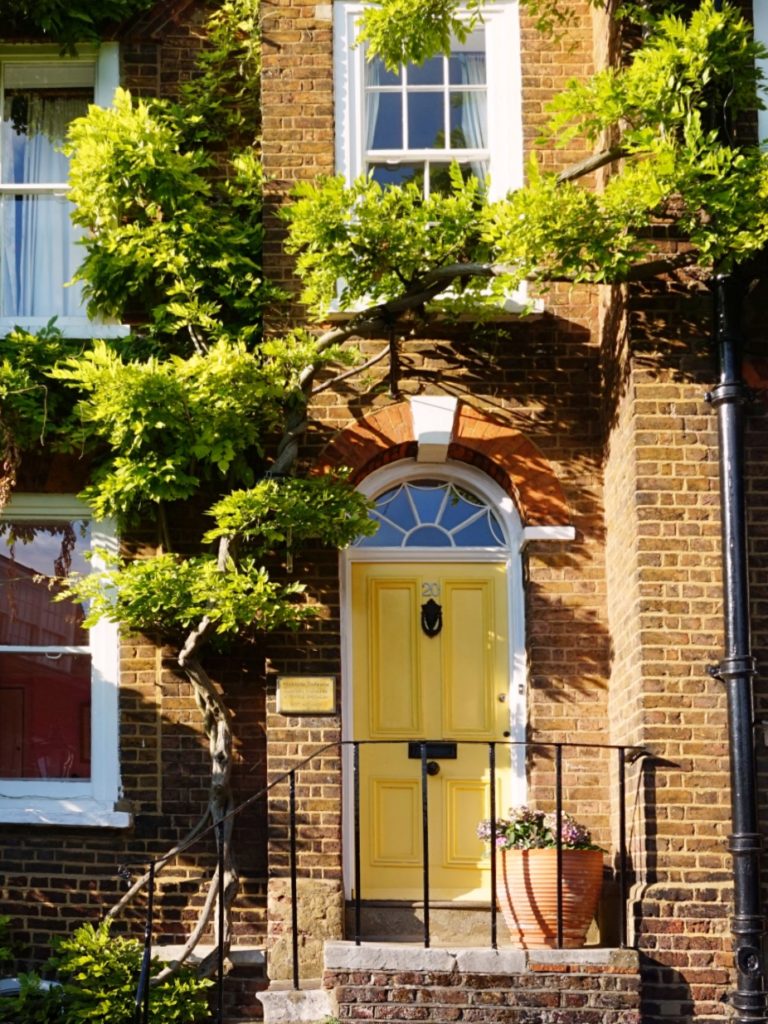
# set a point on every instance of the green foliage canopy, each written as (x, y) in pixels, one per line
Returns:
(67, 22)
(191, 405)
(96, 973)
(661, 112)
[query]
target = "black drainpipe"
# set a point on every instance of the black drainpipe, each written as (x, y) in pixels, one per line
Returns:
(737, 667)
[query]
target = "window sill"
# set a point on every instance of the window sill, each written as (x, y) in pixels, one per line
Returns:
(72, 812)
(70, 326)
(514, 305)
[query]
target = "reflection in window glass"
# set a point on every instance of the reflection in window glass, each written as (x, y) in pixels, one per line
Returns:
(397, 174)
(426, 123)
(431, 72)
(377, 74)
(38, 250)
(418, 113)
(386, 121)
(433, 513)
(33, 556)
(45, 665)
(45, 716)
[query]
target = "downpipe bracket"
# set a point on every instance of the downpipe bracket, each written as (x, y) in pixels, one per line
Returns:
(730, 668)
(731, 392)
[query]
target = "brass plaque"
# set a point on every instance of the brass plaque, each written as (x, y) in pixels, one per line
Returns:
(306, 695)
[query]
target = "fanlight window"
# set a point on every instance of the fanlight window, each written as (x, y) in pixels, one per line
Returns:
(433, 514)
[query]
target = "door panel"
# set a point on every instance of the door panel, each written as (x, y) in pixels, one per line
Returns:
(409, 686)
(394, 694)
(470, 660)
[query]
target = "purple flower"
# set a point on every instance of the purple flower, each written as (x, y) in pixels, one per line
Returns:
(529, 829)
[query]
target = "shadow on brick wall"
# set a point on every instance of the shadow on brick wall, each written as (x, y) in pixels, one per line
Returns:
(55, 878)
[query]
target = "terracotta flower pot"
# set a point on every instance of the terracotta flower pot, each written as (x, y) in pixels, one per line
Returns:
(526, 890)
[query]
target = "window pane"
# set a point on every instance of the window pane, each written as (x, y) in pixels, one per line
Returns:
(398, 174)
(426, 127)
(428, 498)
(39, 254)
(377, 74)
(38, 250)
(469, 120)
(387, 536)
(33, 129)
(431, 72)
(459, 509)
(45, 716)
(385, 120)
(448, 516)
(396, 506)
(478, 534)
(466, 65)
(440, 177)
(428, 537)
(32, 557)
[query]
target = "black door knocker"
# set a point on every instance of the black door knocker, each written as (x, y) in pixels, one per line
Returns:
(431, 617)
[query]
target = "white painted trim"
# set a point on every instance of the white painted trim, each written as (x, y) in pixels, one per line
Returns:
(46, 506)
(89, 802)
(760, 17)
(473, 480)
(107, 74)
(67, 812)
(70, 326)
(548, 533)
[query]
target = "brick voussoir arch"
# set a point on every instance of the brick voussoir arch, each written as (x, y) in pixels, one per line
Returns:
(478, 439)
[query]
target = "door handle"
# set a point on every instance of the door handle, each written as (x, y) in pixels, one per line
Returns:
(433, 768)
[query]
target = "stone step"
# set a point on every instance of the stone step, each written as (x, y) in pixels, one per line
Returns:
(395, 921)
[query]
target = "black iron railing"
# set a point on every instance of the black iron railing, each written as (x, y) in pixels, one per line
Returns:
(419, 750)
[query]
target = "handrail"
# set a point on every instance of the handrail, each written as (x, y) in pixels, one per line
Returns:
(624, 753)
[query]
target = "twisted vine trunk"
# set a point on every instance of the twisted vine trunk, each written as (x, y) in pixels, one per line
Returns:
(217, 724)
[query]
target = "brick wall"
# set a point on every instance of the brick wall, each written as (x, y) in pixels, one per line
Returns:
(52, 879)
(621, 622)
(540, 376)
(484, 987)
(663, 553)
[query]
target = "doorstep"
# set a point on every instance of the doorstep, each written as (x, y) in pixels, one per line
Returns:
(403, 983)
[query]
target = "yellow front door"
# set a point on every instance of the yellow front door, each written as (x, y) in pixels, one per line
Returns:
(449, 689)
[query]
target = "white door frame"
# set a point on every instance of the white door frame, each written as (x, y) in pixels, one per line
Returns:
(463, 475)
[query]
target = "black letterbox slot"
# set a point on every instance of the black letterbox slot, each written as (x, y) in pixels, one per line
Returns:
(435, 749)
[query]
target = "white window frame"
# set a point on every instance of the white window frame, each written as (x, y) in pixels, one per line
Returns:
(93, 801)
(505, 129)
(106, 61)
(504, 112)
(760, 18)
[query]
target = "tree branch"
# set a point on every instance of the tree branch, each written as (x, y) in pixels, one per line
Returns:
(350, 373)
(591, 163)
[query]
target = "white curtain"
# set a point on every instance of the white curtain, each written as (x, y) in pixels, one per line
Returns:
(39, 252)
(372, 96)
(474, 117)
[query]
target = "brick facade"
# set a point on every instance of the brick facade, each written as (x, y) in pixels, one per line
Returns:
(484, 988)
(590, 414)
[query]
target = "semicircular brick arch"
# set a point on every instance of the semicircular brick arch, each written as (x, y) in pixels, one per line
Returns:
(484, 441)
